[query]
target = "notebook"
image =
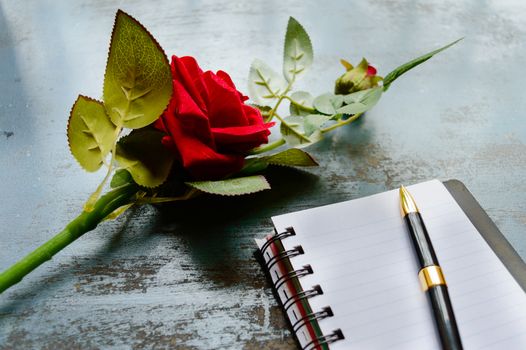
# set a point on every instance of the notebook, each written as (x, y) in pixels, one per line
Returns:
(346, 274)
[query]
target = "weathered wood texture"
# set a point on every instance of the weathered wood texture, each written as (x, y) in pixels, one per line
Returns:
(184, 276)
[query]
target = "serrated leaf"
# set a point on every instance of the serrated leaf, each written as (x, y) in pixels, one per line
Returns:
(264, 84)
(120, 178)
(298, 55)
(265, 110)
(142, 154)
(361, 101)
(138, 81)
(91, 134)
(328, 103)
(392, 76)
(293, 131)
(254, 165)
(302, 104)
(232, 187)
(291, 157)
(314, 122)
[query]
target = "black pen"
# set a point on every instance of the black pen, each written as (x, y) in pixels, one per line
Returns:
(430, 274)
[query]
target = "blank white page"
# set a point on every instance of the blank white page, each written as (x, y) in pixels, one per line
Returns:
(362, 257)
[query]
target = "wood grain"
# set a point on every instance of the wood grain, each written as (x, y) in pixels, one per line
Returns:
(184, 276)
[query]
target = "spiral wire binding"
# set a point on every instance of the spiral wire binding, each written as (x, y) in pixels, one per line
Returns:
(296, 298)
(289, 231)
(325, 339)
(319, 315)
(306, 270)
(306, 294)
(297, 250)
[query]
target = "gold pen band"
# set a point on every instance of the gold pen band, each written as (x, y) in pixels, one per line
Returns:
(431, 276)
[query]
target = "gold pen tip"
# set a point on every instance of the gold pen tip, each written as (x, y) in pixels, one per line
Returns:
(407, 203)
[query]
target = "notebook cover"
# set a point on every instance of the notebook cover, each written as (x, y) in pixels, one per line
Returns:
(488, 230)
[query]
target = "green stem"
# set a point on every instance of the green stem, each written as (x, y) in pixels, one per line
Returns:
(301, 106)
(90, 203)
(85, 222)
(273, 111)
(342, 123)
(268, 147)
(190, 193)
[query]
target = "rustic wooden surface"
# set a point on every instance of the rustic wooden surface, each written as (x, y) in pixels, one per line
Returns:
(185, 276)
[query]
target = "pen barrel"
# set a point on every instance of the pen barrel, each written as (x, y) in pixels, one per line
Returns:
(444, 318)
(421, 242)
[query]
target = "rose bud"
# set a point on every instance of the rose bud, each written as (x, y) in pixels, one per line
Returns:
(207, 123)
(357, 78)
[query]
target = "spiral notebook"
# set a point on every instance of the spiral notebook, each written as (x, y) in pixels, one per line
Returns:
(346, 274)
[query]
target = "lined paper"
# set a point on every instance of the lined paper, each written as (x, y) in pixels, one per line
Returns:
(362, 257)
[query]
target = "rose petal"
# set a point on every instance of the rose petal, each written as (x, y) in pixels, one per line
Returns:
(225, 108)
(187, 72)
(241, 138)
(253, 115)
(200, 160)
(159, 125)
(184, 114)
(168, 142)
(204, 163)
(226, 78)
(224, 75)
(209, 127)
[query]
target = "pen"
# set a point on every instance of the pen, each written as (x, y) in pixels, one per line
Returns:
(430, 274)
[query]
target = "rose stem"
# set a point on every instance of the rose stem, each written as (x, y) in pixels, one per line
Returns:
(85, 222)
(342, 123)
(268, 147)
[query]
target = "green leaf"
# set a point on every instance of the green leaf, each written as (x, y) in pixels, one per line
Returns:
(91, 134)
(361, 101)
(232, 187)
(389, 78)
(346, 64)
(138, 81)
(265, 110)
(143, 155)
(301, 103)
(120, 178)
(298, 55)
(254, 165)
(264, 84)
(328, 103)
(314, 122)
(291, 157)
(293, 131)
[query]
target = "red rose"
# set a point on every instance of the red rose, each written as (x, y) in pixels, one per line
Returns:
(208, 126)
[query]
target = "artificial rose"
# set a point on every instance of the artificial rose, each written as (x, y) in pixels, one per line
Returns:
(358, 78)
(208, 126)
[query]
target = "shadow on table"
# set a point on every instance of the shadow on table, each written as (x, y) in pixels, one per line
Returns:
(215, 234)
(209, 211)
(218, 233)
